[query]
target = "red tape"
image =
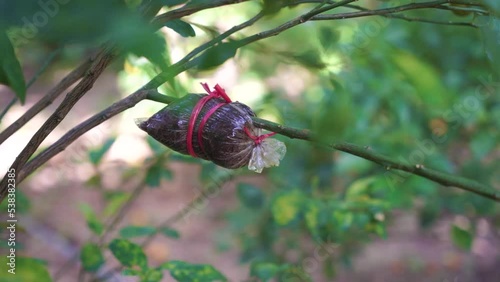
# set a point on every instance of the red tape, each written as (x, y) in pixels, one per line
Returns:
(218, 92)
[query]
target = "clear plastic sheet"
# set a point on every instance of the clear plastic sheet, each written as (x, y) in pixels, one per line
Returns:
(266, 154)
(223, 138)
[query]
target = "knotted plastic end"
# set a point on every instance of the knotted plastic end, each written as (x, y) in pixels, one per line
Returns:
(267, 153)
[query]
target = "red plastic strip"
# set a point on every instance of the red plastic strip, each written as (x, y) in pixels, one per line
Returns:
(258, 139)
(192, 120)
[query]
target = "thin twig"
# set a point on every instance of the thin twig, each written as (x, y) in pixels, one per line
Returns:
(79, 130)
(392, 10)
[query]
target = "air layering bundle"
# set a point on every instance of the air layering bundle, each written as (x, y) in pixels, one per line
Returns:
(214, 128)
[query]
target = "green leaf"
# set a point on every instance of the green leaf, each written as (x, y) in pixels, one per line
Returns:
(91, 257)
(186, 272)
(25, 269)
(426, 80)
(491, 39)
(94, 181)
(170, 3)
(114, 200)
(264, 271)
(137, 231)
(461, 238)
(482, 143)
(131, 272)
(95, 156)
(181, 27)
(217, 55)
(136, 36)
(127, 253)
(310, 59)
(250, 195)
(94, 224)
(154, 175)
(152, 275)
(169, 232)
(11, 73)
(286, 207)
(328, 37)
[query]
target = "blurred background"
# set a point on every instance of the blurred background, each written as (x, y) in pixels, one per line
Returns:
(418, 92)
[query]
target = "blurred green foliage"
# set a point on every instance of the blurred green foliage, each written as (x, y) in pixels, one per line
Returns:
(421, 93)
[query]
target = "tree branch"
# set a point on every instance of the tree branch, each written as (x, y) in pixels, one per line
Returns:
(102, 61)
(379, 12)
(64, 84)
(187, 63)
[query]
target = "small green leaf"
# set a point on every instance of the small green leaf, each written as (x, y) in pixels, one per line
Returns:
(169, 232)
(328, 37)
(128, 254)
(131, 272)
(91, 257)
(217, 55)
(95, 156)
(491, 39)
(24, 269)
(94, 181)
(93, 222)
(461, 238)
(264, 271)
(152, 275)
(154, 175)
(181, 27)
(114, 200)
(11, 73)
(286, 207)
(137, 231)
(310, 59)
(250, 195)
(183, 272)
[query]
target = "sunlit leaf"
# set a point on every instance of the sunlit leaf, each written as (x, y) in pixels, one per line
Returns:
(152, 275)
(114, 201)
(461, 238)
(426, 80)
(286, 207)
(11, 73)
(94, 224)
(264, 271)
(25, 269)
(91, 257)
(184, 272)
(129, 254)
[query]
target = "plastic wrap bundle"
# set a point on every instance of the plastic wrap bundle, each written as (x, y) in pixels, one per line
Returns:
(214, 128)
